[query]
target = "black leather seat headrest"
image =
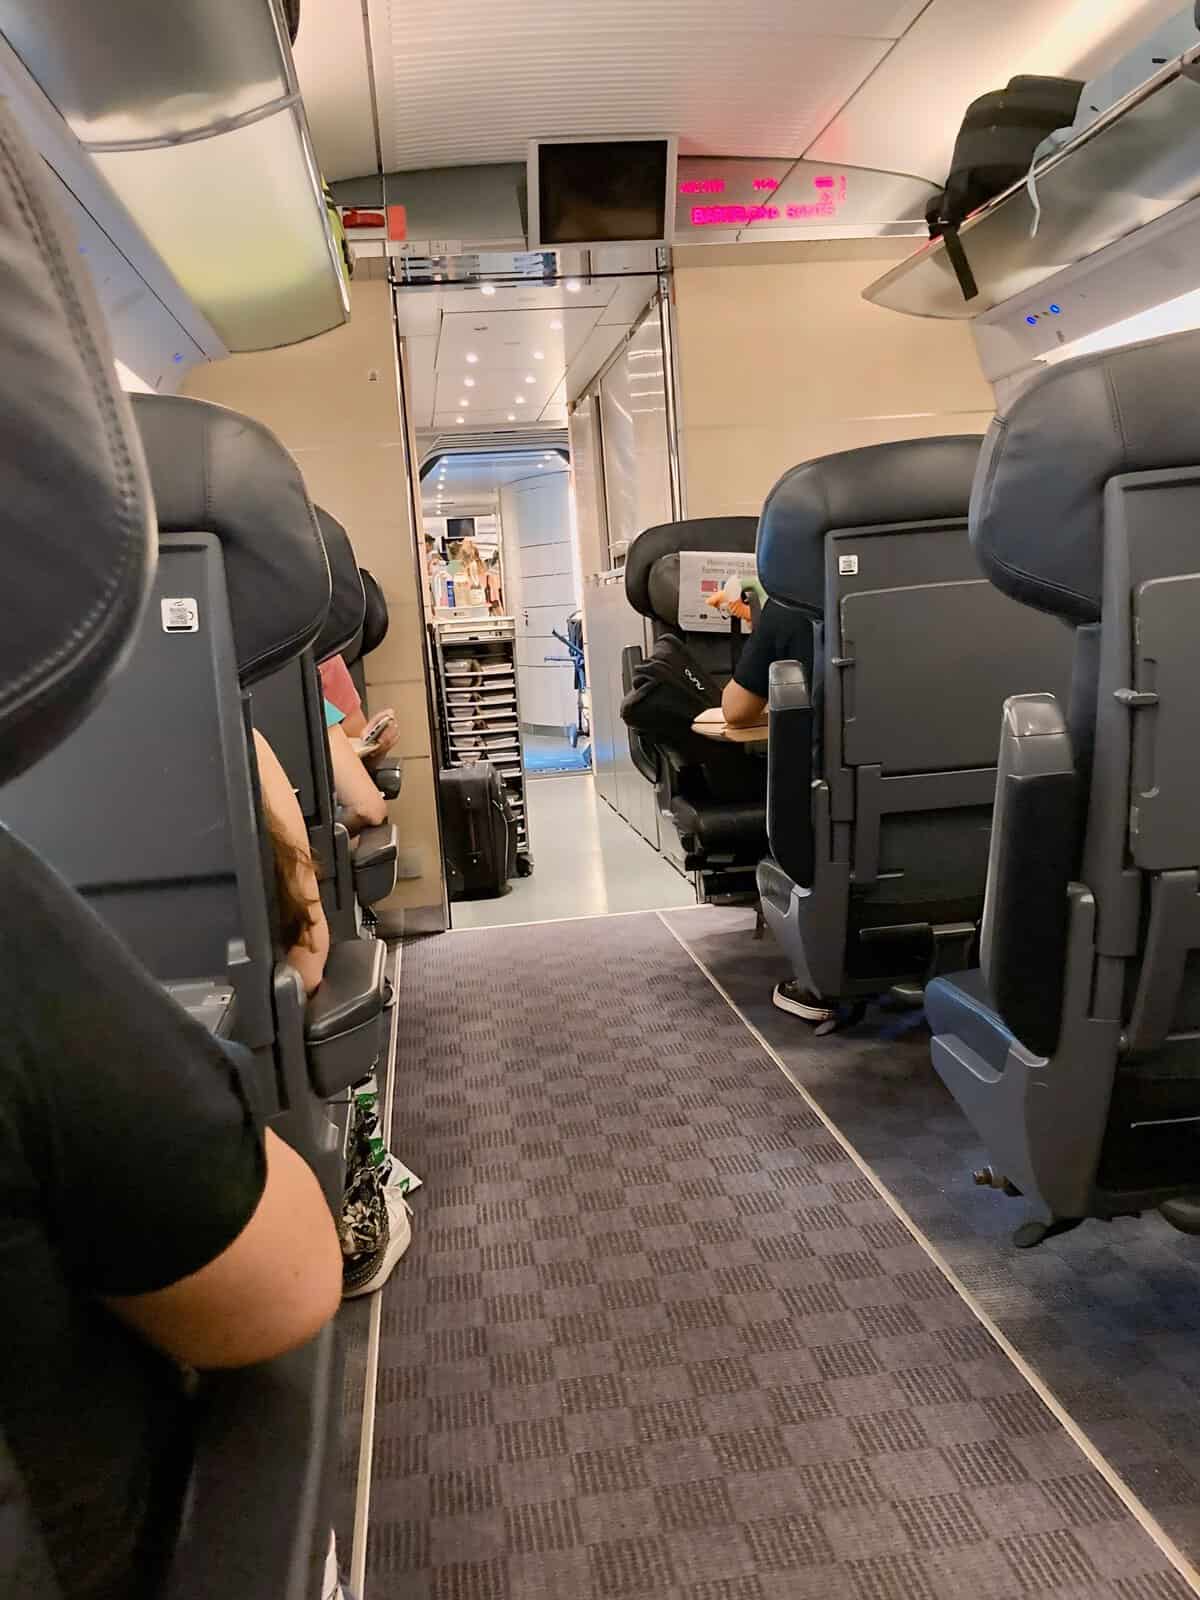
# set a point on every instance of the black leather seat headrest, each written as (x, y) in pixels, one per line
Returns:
(652, 563)
(215, 471)
(76, 518)
(908, 480)
(375, 623)
(1037, 514)
(348, 606)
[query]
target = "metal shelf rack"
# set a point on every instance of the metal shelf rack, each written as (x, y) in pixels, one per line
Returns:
(475, 665)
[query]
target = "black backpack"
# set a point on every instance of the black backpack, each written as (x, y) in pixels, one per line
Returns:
(993, 151)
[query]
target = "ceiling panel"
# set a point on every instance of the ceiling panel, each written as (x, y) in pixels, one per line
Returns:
(938, 68)
(475, 81)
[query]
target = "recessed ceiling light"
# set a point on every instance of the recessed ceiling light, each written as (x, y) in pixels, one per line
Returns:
(464, 401)
(572, 286)
(487, 288)
(460, 419)
(529, 378)
(519, 399)
(539, 355)
(472, 358)
(512, 416)
(556, 325)
(469, 383)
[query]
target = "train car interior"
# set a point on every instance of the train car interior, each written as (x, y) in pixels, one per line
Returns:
(599, 775)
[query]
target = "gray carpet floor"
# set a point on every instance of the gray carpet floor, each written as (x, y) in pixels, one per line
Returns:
(1109, 1315)
(658, 1336)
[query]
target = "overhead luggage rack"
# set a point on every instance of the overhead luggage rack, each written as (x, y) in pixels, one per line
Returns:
(1137, 162)
(479, 705)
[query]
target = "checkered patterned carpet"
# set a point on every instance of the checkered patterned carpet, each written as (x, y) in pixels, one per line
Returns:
(658, 1336)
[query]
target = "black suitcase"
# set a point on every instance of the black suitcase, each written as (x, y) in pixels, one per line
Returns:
(995, 144)
(479, 835)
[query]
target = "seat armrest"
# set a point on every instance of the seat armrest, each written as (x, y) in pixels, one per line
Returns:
(343, 1024)
(389, 777)
(640, 753)
(259, 1508)
(1034, 849)
(790, 772)
(374, 856)
(373, 845)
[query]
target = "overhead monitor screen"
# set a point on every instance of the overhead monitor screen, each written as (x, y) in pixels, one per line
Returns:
(601, 191)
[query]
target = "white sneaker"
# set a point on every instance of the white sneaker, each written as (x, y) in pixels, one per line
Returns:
(372, 1271)
(798, 1001)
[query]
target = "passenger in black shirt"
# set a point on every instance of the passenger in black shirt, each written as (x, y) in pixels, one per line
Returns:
(148, 1225)
(782, 634)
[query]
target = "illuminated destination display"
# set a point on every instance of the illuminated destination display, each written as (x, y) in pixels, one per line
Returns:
(725, 194)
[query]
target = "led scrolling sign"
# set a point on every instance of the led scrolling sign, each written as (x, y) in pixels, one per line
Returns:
(831, 195)
(718, 195)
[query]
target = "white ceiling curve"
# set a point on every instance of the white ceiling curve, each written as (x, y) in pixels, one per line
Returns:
(865, 82)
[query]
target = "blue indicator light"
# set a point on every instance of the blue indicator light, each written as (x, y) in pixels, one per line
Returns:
(1032, 321)
(1056, 311)
(177, 358)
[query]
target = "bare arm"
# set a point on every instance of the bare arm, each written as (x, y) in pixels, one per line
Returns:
(356, 791)
(273, 1288)
(741, 708)
(309, 956)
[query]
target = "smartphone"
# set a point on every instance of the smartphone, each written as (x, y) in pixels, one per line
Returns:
(376, 726)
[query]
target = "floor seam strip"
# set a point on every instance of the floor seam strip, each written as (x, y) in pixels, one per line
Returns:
(1086, 1446)
(582, 916)
(366, 1441)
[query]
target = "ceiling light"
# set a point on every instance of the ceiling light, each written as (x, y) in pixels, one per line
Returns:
(572, 286)
(556, 325)
(539, 355)
(464, 401)
(472, 358)
(487, 288)
(460, 419)
(469, 383)
(529, 378)
(512, 416)
(519, 399)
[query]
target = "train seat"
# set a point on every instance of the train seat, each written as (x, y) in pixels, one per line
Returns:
(1073, 1049)
(212, 469)
(882, 770)
(715, 795)
(374, 852)
(77, 537)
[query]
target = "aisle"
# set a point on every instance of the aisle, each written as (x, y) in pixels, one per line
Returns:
(659, 1335)
(587, 861)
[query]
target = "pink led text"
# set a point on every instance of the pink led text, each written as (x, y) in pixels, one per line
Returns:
(702, 186)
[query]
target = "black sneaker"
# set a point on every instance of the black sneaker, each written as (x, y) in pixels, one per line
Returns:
(798, 1001)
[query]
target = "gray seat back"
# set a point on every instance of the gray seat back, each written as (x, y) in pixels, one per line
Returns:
(916, 655)
(1088, 507)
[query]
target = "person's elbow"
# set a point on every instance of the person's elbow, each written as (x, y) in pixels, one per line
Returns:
(373, 809)
(740, 708)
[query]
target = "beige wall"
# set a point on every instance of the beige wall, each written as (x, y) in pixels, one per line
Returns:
(333, 403)
(781, 359)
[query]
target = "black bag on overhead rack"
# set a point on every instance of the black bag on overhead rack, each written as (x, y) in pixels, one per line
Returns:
(479, 833)
(993, 151)
(291, 12)
(995, 144)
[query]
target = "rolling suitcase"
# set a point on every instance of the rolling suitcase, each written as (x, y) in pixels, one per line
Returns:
(479, 837)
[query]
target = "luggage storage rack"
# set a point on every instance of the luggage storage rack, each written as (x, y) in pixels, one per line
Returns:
(476, 669)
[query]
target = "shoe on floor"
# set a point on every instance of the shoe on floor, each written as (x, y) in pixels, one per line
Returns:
(365, 1273)
(798, 1001)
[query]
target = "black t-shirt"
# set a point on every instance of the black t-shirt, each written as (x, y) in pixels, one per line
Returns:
(130, 1157)
(781, 635)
